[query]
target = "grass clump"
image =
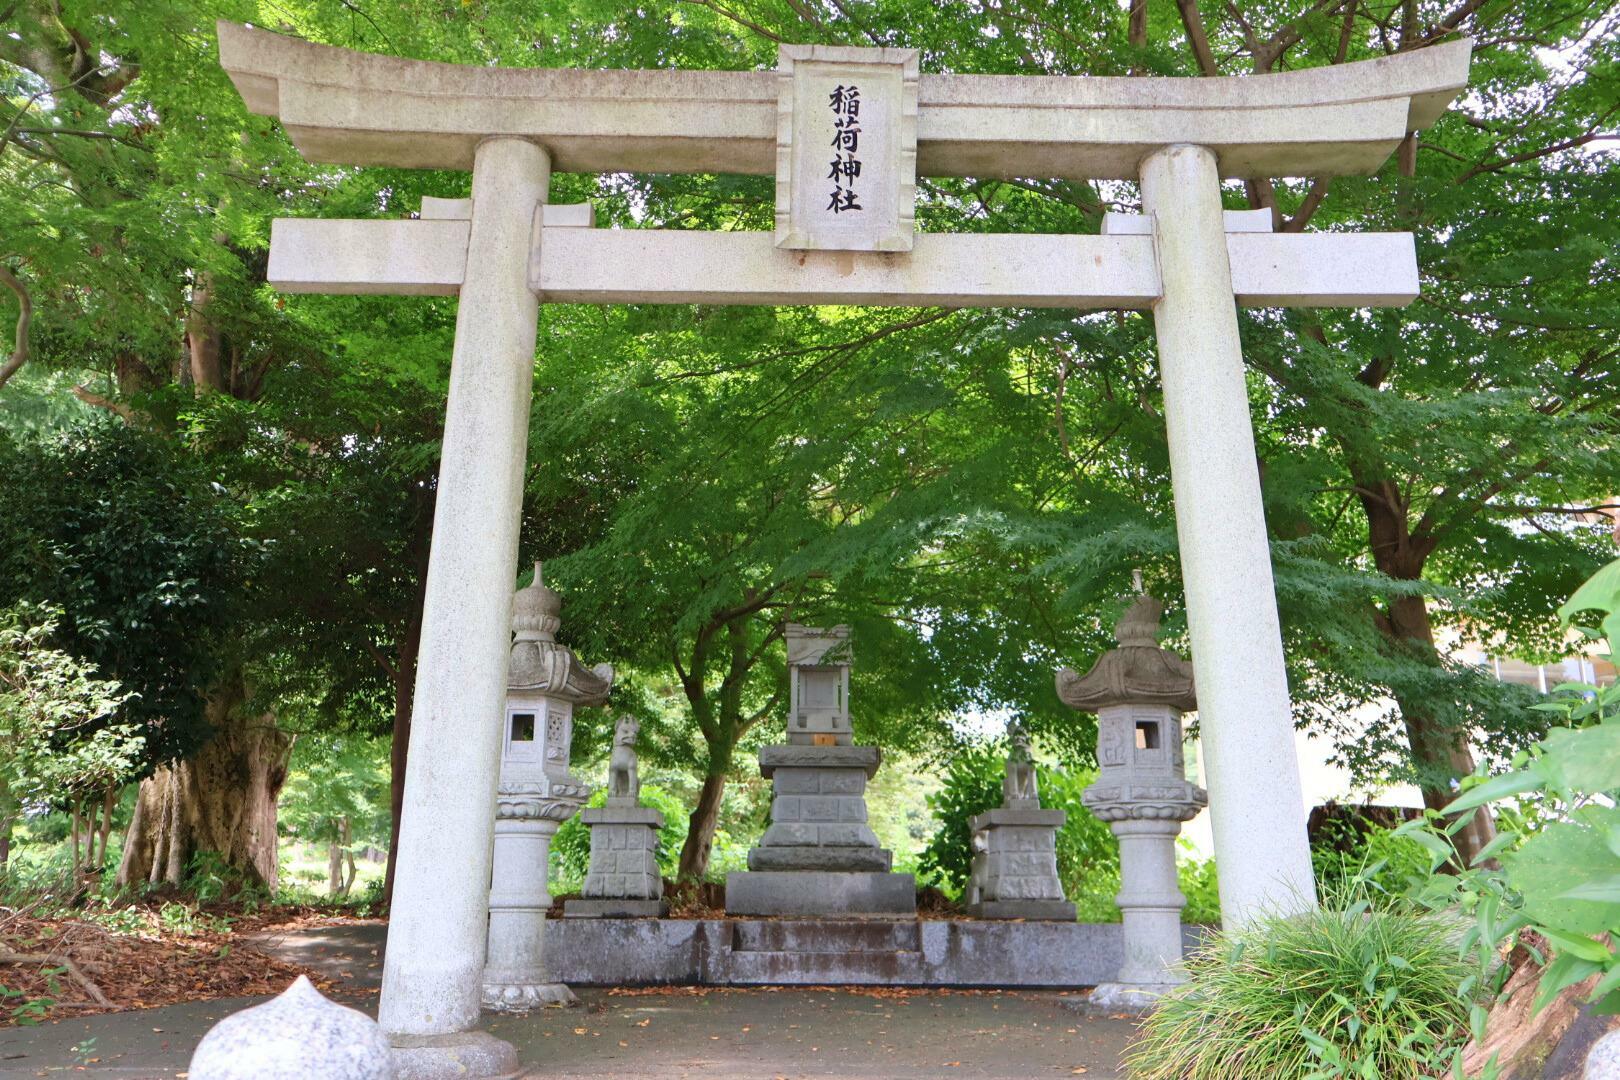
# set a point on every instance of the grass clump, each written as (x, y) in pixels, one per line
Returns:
(1346, 990)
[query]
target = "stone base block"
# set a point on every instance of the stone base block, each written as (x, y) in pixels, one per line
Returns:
(465, 1055)
(615, 909)
(522, 997)
(818, 892)
(870, 860)
(1110, 998)
(1059, 910)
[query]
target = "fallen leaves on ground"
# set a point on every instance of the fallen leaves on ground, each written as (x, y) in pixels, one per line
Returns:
(142, 964)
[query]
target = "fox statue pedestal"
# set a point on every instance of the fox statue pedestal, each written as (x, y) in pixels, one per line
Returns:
(1015, 849)
(623, 880)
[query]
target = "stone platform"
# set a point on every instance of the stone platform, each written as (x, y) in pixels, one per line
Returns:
(844, 952)
(820, 892)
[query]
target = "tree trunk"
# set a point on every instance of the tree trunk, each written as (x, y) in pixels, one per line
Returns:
(400, 745)
(1441, 752)
(705, 818)
(220, 800)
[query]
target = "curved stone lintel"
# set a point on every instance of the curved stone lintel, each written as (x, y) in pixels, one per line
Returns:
(339, 105)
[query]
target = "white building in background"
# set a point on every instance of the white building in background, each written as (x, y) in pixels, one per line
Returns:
(1323, 781)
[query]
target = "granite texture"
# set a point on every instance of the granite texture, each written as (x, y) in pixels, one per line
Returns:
(296, 1036)
(618, 908)
(816, 892)
(465, 1055)
(837, 951)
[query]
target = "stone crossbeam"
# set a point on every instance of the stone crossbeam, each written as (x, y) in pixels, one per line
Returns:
(651, 266)
(366, 109)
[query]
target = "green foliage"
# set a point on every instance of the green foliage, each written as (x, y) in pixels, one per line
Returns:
(1087, 855)
(571, 847)
(1386, 861)
(333, 779)
(56, 744)
(1201, 886)
(1345, 990)
(1559, 872)
(124, 534)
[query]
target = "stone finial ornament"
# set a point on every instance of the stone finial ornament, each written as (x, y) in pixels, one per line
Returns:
(624, 780)
(1138, 672)
(298, 1035)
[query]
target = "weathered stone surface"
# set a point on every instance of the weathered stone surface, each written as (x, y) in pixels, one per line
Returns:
(855, 108)
(615, 909)
(344, 106)
(297, 1035)
(1138, 691)
(1603, 1060)
(1110, 998)
(814, 892)
(624, 854)
(462, 1056)
(622, 815)
(856, 952)
(1061, 910)
(537, 793)
(1014, 873)
(1002, 817)
(868, 859)
(439, 923)
(842, 758)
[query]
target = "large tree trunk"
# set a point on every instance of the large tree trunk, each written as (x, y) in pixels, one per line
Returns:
(220, 800)
(705, 818)
(1440, 751)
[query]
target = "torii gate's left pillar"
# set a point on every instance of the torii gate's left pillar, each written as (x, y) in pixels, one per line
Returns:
(434, 965)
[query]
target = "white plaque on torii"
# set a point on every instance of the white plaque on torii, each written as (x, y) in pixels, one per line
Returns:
(846, 148)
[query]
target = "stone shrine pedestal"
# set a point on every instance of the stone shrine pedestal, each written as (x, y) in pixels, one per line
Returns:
(1015, 874)
(819, 856)
(623, 880)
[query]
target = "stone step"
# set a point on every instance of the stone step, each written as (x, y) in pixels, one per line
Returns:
(829, 936)
(826, 968)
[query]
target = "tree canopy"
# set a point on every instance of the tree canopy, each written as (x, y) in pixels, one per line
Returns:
(969, 489)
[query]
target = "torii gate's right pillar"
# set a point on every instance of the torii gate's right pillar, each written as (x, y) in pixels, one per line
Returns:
(1250, 765)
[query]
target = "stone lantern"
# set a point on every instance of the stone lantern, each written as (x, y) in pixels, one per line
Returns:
(537, 793)
(1139, 692)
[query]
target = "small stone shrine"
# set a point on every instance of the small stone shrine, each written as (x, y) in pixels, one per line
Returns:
(1139, 692)
(623, 879)
(819, 856)
(537, 793)
(1015, 848)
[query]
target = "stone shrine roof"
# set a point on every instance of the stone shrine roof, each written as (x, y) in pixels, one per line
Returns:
(538, 663)
(1138, 672)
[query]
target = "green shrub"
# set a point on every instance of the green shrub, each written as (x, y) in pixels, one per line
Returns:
(1341, 991)
(1200, 885)
(1554, 867)
(1087, 856)
(1388, 861)
(571, 847)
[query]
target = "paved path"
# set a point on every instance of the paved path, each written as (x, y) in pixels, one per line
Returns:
(716, 1034)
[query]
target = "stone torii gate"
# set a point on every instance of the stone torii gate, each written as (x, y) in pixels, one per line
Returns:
(844, 235)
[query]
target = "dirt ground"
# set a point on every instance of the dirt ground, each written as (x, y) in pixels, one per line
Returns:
(669, 1033)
